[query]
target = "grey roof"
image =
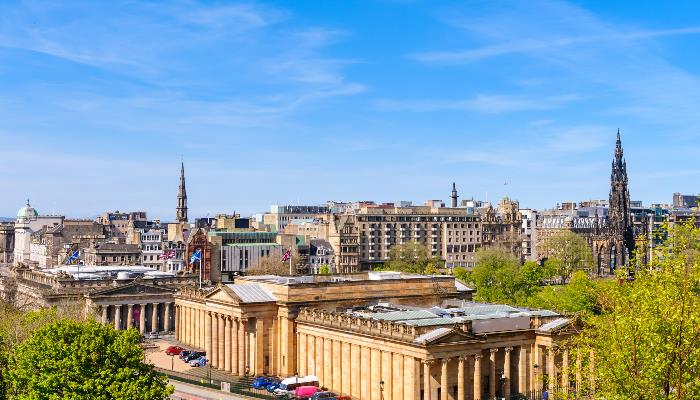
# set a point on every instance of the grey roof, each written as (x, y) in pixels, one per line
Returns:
(461, 287)
(404, 315)
(556, 324)
(430, 322)
(543, 313)
(434, 334)
(476, 308)
(252, 293)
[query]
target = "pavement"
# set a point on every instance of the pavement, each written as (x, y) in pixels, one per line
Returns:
(186, 391)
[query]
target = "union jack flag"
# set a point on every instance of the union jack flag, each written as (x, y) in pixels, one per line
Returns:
(167, 254)
(286, 255)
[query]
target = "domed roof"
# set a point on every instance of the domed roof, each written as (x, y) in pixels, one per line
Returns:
(27, 212)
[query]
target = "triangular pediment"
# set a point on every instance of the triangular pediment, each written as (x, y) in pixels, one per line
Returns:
(135, 289)
(449, 337)
(223, 294)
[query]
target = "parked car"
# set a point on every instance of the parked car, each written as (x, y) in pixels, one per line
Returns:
(262, 381)
(272, 386)
(305, 392)
(174, 350)
(324, 395)
(287, 386)
(151, 335)
(184, 354)
(195, 355)
(198, 362)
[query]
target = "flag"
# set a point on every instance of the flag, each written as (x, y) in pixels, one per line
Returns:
(286, 255)
(73, 257)
(167, 254)
(197, 255)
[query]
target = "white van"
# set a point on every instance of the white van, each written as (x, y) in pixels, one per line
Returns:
(288, 385)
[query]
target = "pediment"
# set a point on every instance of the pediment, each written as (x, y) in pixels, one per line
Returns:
(132, 289)
(224, 295)
(451, 336)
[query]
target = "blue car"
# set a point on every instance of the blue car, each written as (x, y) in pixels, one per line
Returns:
(199, 362)
(262, 381)
(272, 386)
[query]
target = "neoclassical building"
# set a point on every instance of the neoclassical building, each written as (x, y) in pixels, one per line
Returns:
(377, 336)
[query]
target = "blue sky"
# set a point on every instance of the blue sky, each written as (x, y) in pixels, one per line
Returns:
(308, 101)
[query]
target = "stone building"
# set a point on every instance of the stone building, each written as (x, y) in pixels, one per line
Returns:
(320, 254)
(117, 223)
(52, 245)
(7, 241)
(502, 227)
(29, 222)
(108, 293)
(383, 336)
(109, 253)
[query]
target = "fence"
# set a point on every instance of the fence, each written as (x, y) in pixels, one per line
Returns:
(238, 385)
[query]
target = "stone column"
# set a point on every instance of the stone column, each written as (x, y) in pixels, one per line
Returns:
(444, 390)
(104, 315)
(117, 316)
(535, 383)
(591, 373)
(227, 344)
(492, 373)
(129, 316)
(578, 373)
(426, 378)
(166, 324)
(461, 395)
(260, 346)
(221, 341)
(178, 324)
(242, 346)
(142, 318)
(522, 370)
(214, 359)
(506, 373)
(477, 376)
(234, 346)
(565, 371)
(551, 371)
(207, 335)
(154, 318)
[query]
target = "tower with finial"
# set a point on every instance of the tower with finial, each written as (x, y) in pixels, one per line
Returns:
(182, 197)
(454, 195)
(620, 230)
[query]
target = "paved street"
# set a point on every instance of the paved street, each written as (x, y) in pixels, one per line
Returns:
(186, 391)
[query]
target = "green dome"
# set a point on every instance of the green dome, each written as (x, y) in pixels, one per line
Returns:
(27, 212)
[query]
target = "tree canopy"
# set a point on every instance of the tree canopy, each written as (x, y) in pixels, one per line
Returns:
(567, 252)
(408, 257)
(82, 360)
(645, 340)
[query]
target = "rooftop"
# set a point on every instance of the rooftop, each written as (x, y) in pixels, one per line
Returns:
(94, 272)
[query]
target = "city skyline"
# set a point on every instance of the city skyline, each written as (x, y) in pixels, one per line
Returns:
(282, 103)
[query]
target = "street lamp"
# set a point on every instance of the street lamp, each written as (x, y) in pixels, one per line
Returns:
(381, 389)
(172, 362)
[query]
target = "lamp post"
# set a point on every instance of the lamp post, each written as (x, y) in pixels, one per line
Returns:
(172, 362)
(381, 389)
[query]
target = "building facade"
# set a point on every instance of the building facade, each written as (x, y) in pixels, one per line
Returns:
(381, 336)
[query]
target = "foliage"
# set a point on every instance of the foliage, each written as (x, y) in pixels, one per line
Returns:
(408, 257)
(497, 276)
(578, 296)
(325, 269)
(79, 360)
(269, 265)
(567, 252)
(646, 339)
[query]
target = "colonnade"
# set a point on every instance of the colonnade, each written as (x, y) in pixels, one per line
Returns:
(160, 316)
(228, 341)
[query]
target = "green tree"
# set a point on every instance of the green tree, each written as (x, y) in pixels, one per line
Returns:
(497, 276)
(567, 252)
(579, 296)
(325, 269)
(82, 360)
(645, 342)
(408, 257)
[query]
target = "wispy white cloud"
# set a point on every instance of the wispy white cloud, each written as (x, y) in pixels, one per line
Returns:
(529, 46)
(483, 103)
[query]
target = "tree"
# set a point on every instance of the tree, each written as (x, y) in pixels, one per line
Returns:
(577, 297)
(567, 252)
(325, 269)
(408, 257)
(497, 276)
(83, 360)
(269, 265)
(645, 342)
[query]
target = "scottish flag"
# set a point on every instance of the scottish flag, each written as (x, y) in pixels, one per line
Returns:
(73, 257)
(197, 255)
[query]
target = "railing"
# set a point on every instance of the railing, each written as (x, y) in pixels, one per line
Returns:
(239, 386)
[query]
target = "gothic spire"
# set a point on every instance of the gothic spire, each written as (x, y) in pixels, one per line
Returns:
(619, 224)
(182, 196)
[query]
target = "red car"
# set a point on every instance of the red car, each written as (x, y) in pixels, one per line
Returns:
(174, 350)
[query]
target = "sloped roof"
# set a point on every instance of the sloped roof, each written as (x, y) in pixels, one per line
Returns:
(432, 335)
(554, 325)
(252, 293)
(404, 315)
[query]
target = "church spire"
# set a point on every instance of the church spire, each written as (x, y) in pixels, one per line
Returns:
(182, 197)
(454, 195)
(619, 224)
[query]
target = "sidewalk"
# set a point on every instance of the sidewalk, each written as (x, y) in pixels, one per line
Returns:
(186, 391)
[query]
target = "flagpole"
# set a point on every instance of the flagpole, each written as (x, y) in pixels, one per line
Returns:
(200, 272)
